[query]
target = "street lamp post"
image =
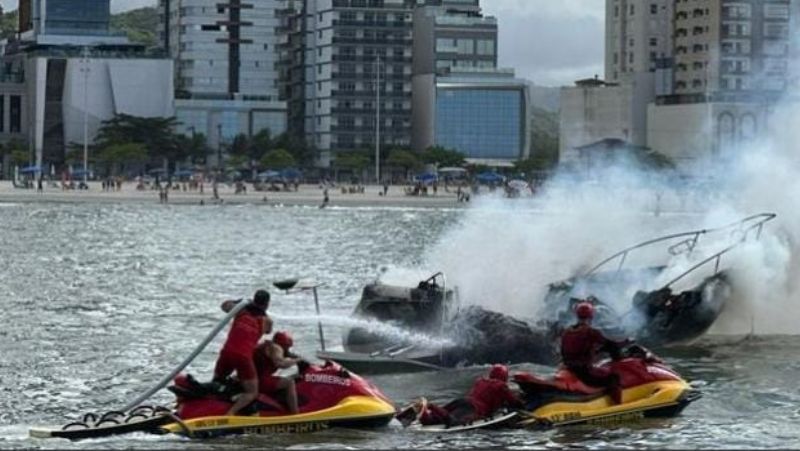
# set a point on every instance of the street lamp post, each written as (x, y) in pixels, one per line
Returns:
(219, 148)
(85, 70)
(378, 119)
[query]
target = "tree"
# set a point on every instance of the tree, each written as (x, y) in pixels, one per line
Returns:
(195, 147)
(18, 152)
(298, 147)
(277, 159)
(354, 160)
(117, 156)
(442, 157)
(403, 159)
(545, 137)
(260, 144)
(155, 133)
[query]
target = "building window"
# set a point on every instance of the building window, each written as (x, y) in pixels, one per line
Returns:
(15, 111)
(653, 42)
(653, 9)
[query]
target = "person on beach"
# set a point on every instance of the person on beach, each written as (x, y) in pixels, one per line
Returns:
(269, 357)
(580, 345)
(247, 329)
(325, 199)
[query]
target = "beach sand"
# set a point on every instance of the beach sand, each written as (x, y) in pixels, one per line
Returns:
(308, 195)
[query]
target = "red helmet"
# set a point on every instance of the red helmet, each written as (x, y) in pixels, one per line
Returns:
(283, 339)
(499, 372)
(584, 310)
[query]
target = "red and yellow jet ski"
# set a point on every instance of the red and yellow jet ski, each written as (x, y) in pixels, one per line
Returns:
(650, 389)
(328, 396)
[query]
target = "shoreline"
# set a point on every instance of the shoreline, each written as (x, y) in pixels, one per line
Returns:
(306, 196)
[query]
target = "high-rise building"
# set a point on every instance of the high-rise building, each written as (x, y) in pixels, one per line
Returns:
(731, 48)
(732, 62)
(226, 57)
(461, 100)
(638, 35)
(347, 60)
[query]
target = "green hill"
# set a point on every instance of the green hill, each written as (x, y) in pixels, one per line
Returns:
(141, 25)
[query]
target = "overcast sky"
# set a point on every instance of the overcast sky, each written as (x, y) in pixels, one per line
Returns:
(550, 42)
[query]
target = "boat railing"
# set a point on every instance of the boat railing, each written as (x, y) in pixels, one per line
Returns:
(743, 227)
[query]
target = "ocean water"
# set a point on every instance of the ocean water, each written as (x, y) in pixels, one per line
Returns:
(100, 301)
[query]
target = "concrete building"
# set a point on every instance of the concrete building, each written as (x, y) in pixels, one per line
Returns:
(638, 35)
(460, 99)
(68, 72)
(638, 43)
(344, 55)
(594, 110)
(226, 57)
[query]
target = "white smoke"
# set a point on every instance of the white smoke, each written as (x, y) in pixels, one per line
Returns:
(504, 252)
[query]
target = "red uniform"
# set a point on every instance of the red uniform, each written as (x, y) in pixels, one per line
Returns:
(237, 352)
(490, 395)
(579, 347)
(266, 369)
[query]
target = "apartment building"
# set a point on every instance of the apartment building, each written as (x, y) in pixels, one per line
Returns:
(346, 60)
(731, 49)
(638, 36)
(226, 66)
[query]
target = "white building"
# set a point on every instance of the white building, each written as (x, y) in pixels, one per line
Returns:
(594, 110)
(638, 35)
(68, 71)
(226, 75)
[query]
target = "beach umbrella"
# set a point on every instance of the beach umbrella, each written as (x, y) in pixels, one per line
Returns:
(291, 173)
(490, 177)
(269, 175)
(426, 178)
(30, 169)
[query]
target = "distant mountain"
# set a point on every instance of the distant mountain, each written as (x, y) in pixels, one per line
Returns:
(544, 134)
(141, 25)
(8, 24)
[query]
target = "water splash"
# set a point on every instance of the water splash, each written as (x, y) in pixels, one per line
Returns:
(382, 329)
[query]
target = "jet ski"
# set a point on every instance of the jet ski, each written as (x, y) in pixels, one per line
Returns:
(650, 389)
(328, 395)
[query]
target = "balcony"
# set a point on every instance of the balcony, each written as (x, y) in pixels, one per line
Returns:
(371, 41)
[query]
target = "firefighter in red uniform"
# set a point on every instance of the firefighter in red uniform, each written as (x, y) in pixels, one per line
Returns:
(580, 345)
(270, 356)
(487, 396)
(237, 352)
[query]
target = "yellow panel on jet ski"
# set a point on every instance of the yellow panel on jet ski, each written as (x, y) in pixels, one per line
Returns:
(351, 409)
(636, 401)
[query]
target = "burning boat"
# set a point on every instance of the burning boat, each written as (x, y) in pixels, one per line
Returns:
(666, 304)
(657, 304)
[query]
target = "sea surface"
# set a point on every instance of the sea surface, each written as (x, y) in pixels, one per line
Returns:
(98, 302)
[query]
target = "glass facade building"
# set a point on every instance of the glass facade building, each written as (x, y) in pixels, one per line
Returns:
(84, 17)
(487, 123)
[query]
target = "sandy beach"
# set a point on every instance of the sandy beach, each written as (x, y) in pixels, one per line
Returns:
(307, 195)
